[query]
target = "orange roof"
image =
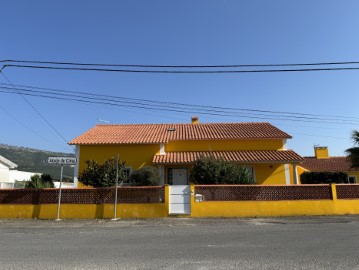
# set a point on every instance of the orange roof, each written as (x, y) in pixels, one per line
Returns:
(261, 156)
(162, 133)
(331, 164)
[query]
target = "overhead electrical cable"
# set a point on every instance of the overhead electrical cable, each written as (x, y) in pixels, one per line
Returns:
(170, 106)
(177, 104)
(178, 71)
(182, 66)
(96, 99)
(33, 108)
(30, 129)
(186, 104)
(152, 105)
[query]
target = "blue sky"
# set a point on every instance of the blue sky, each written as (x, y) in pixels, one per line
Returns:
(181, 33)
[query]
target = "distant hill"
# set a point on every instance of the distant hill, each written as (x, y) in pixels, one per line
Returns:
(33, 160)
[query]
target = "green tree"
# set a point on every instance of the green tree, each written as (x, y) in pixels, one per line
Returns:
(102, 175)
(145, 176)
(43, 181)
(353, 153)
(210, 170)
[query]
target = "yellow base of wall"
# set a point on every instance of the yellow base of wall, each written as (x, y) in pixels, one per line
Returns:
(274, 208)
(83, 211)
(199, 210)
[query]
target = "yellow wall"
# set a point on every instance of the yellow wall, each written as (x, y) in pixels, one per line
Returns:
(135, 155)
(83, 211)
(223, 145)
(270, 174)
(274, 208)
(265, 174)
(198, 209)
(300, 170)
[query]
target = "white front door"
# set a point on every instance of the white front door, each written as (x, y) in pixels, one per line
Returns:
(179, 177)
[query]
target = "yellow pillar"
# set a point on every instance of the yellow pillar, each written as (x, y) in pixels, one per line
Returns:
(167, 198)
(334, 192)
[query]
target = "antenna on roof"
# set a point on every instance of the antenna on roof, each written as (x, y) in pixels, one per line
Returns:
(103, 121)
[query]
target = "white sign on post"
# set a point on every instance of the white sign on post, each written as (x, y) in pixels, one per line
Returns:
(61, 160)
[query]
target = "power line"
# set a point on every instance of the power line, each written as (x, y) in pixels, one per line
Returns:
(85, 97)
(30, 129)
(196, 106)
(181, 66)
(180, 71)
(33, 108)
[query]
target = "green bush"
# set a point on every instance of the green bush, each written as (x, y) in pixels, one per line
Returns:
(37, 181)
(102, 175)
(323, 178)
(209, 170)
(145, 176)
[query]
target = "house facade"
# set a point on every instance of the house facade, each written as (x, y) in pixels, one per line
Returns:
(6, 166)
(173, 148)
(322, 162)
(9, 174)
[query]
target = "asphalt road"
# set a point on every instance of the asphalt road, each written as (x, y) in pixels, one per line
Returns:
(173, 243)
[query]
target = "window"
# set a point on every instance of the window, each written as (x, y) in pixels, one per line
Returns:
(250, 170)
(352, 179)
(127, 171)
(6, 185)
(170, 176)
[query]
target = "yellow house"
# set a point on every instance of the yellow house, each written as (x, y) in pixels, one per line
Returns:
(174, 147)
(322, 162)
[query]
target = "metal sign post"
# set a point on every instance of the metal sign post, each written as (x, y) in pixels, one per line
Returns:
(59, 202)
(60, 161)
(116, 186)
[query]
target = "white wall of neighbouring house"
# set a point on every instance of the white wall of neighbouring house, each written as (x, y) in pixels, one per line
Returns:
(4, 173)
(20, 175)
(64, 185)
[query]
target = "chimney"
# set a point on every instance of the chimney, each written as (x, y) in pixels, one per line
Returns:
(194, 120)
(321, 152)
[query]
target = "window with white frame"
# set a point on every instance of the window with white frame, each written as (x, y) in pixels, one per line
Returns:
(127, 171)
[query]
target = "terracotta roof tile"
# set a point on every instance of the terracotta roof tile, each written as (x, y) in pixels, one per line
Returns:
(162, 133)
(331, 164)
(262, 156)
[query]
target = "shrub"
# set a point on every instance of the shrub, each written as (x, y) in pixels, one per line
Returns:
(37, 181)
(145, 176)
(102, 175)
(209, 170)
(323, 178)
